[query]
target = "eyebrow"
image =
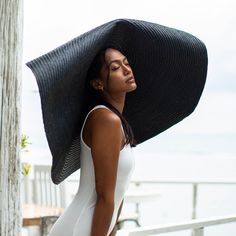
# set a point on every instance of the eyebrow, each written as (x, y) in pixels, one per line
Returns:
(125, 58)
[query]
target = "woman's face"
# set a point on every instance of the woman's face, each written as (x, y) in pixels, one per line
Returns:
(119, 73)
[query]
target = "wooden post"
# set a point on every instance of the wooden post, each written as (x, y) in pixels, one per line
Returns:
(11, 21)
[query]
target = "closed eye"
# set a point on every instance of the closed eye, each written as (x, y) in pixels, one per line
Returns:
(115, 68)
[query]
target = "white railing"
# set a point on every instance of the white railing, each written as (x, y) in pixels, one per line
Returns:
(194, 184)
(140, 182)
(28, 198)
(197, 226)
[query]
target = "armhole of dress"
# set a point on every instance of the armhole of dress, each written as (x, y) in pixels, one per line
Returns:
(123, 131)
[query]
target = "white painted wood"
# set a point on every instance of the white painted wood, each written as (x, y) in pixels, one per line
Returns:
(25, 189)
(194, 181)
(45, 192)
(198, 232)
(198, 225)
(11, 21)
(140, 195)
(194, 203)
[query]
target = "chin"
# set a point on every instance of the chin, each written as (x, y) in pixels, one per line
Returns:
(133, 88)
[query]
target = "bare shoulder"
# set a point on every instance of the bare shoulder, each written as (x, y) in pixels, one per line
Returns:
(105, 130)
(104, 118)
(101, 121)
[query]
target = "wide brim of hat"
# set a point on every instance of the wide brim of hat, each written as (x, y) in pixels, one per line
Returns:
(169, 66)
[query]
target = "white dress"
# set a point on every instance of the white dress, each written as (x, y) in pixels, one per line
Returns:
(76, 220)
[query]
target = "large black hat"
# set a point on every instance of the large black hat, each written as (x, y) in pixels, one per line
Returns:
(169, 66)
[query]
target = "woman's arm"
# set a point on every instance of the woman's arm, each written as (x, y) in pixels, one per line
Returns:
(106, 141)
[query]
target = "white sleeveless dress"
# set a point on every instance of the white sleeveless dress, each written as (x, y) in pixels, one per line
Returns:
(77, 218)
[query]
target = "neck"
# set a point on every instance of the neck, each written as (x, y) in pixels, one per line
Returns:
(117, 105)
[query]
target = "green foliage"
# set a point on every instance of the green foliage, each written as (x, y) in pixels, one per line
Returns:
(24, 144)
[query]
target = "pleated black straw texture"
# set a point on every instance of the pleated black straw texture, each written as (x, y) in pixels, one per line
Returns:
(169, 65)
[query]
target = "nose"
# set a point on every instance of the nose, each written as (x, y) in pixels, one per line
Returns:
(126, 70)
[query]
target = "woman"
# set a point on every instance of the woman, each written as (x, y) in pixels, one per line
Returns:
(170, 67)
(107, 160)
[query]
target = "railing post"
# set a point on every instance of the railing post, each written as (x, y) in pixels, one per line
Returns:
(194, 203)
(137, 209)
(198, 232)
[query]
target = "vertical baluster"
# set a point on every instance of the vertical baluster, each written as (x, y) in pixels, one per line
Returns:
(50, 191)
(198, 232)
(195, 193)
(40, 186)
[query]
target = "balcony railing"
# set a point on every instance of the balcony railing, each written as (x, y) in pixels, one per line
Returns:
(195, 184)
(197, 226)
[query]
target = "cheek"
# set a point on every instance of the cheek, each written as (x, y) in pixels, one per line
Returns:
(116, 82)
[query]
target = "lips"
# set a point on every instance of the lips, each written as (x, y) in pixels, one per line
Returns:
(130, 78)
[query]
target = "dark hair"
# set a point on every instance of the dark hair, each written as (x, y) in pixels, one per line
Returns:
(94, 98)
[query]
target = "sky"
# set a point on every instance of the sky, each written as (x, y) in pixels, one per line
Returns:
(51, 23)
